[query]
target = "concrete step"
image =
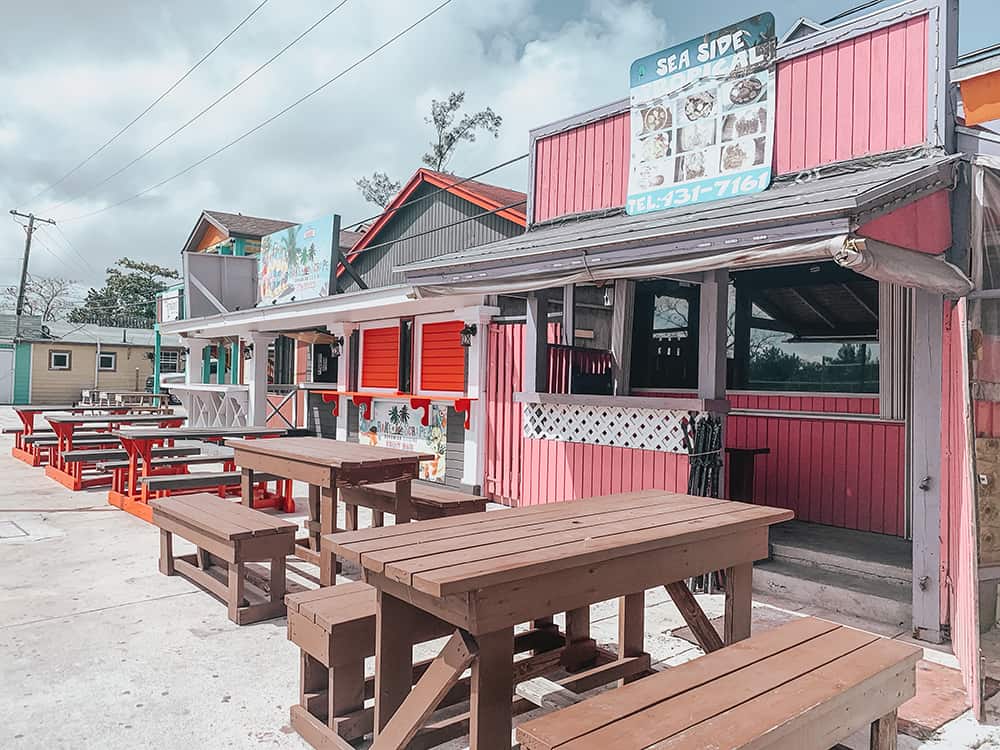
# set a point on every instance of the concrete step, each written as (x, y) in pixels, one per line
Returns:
(885, 600)
(843, 551)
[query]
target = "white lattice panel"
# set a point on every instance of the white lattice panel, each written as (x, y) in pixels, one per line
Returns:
(622, 427)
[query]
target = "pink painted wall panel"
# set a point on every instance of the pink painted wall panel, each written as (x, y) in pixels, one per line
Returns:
(924, 225)
(839, 102)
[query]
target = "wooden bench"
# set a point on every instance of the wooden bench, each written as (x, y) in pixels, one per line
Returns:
(97, 438)
(807, 685)
(334, 628)
(98, 455)
(429, 501)
(165, 461)
(227, 536)
(202, 480)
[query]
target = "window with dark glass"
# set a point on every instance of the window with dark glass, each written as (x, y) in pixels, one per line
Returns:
(281, 361)
(665, 335)
(406, 355)
(805, 328)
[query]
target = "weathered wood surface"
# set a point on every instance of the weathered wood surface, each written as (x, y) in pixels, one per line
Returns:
(806, 685)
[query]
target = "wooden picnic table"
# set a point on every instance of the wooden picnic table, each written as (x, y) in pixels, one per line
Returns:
(488, 572)
(71, 475)
(139, 442)
(26, 413)
(327, 465)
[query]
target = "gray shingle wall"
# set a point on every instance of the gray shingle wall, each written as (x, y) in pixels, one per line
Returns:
(375, 265)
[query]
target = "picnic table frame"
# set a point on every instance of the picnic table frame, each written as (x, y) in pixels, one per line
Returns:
(486, 573)
(133, 497)
(71, 474)
(37, 455)
(326, 466)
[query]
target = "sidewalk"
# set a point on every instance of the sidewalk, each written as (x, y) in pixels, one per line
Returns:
(100, 650)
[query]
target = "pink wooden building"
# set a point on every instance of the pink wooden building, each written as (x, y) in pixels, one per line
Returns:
(821, 318)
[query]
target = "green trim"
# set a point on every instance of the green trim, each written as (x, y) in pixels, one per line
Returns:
(239, 246)
(206, 365)
(156, 358)
(22, 374)
(234, 363)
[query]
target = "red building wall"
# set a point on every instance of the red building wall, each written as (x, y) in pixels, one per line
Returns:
(839, 102)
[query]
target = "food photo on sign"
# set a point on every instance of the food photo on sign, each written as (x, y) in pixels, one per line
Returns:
(702, 118)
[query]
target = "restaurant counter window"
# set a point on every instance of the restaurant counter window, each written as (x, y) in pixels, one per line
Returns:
(807, 328)
(107, 361)
(665, 335)
(281, 361)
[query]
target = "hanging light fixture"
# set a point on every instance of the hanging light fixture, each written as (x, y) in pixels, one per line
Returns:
(467, 333)
(335, 346)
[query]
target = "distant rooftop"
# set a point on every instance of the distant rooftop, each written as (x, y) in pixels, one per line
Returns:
(33, 329)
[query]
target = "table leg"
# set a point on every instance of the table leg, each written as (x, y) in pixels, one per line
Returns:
(393, 656)
(314, 517)
(327, 525)
(236, 583)
(404, 501)
(490, 720)
(277, 593)
(246, 487)
(739, 602)
(631, 627)
(580, 647)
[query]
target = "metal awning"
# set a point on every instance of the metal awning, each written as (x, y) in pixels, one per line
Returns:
(800, 218)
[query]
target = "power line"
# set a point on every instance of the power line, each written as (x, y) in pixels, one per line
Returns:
(201, 113)
(67, 244)
(270, 119)
(146, 111)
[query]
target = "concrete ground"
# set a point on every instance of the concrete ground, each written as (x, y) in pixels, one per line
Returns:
(97, 649)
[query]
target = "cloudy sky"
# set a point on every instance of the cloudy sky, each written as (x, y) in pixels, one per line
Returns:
(73, 73)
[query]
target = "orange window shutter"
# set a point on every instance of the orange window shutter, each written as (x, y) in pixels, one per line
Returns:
(380, 358)
(442, 357)
(981, 98)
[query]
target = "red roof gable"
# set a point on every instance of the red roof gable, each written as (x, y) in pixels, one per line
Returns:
(510, 204)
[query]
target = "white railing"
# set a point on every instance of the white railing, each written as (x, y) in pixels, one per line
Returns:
(210, 405)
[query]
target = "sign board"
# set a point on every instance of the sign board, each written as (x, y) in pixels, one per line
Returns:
(170, 305)
(702, 118)
(296, 263)
(215, 284)
(394, 424)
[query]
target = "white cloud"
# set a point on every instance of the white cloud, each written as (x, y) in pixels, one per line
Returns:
(58, 107)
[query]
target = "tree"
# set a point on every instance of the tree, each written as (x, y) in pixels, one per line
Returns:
(48, 297)
(378, 189)
(449, 135)
(129, 293)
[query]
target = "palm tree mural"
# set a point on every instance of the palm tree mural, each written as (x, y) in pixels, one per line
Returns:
(394, 415)
(404, 414)
(289, 246)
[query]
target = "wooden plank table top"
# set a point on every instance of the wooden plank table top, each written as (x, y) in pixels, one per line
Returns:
(196, 433)
(486, 573)
(337, 454)
(326, 465)
(90, 419)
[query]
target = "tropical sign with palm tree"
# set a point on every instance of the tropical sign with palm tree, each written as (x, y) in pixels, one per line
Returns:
(393, 424)
(294, 264)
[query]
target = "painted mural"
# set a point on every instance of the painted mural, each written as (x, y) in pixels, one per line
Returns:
(294, 264)
(393, 424)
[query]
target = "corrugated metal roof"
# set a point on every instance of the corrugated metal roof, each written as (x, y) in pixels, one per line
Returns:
(846, 193)
(77, 333)
(31, 325)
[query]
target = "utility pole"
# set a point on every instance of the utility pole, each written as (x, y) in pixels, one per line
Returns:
(29, 230)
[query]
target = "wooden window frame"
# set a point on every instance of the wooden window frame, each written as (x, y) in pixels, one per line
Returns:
(69, 359)
(362, 329)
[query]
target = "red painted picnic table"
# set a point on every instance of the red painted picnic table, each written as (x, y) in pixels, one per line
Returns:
(488, 572)
(71, 474)
(132, 496)
(35, 455)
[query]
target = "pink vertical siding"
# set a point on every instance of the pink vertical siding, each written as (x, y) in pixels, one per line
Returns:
(835, 103)
(959, 561)
(924, 225)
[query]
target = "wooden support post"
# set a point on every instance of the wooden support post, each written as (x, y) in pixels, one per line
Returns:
(235, 592)
(739, 602)
(166, 553)
(569, 315)
(536, 344)
(246, 487)
(581, 649)
(312, 684)
(631, 626)
(701, 626)
(441, 676)
(713, 315)
(393, 656)
(350, 517)
(885, 732)
(925, 462)
(404, 501)
(278, 580)
(492, 690)
(622, 314)
(314, 516)
(327, 525)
